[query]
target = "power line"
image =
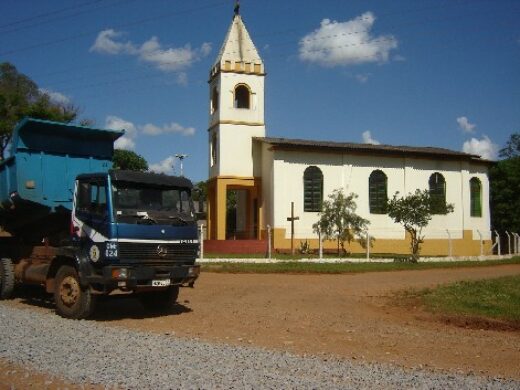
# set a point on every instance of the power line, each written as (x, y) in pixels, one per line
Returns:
(117, 2)
(50, 13)
(129, 24)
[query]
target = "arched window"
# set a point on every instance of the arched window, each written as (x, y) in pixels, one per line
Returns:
(438, 193)
(312, 189)
(377, 192)
(475, 189)
(242, 97)
(213, 150)
(214, 100)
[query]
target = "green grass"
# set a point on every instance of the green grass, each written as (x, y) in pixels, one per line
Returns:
(492, 298)
(296, 267)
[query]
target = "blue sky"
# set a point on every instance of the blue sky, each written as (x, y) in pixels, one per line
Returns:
(443, 73)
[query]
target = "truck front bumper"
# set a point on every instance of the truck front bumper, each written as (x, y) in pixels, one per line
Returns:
(142, 277)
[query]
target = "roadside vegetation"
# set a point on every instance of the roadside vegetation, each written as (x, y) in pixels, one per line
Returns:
(297, 267)
(476, 301)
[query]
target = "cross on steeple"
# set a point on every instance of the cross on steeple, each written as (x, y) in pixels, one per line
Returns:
(237, 7)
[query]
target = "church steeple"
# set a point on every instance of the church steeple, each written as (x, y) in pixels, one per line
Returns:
(238, 52)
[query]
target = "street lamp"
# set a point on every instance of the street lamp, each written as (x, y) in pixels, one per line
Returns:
(181, 157)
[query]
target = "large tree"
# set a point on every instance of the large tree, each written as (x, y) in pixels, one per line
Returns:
(504, 179)
(512, 148)
(126, 159)
(339, 221)
(414, 212)
(20, 97)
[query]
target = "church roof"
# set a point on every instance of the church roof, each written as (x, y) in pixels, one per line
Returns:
(347, 147)
(238, 47)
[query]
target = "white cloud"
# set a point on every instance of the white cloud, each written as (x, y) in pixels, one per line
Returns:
(127, 141)
(346, 43)
(367, 138)
(132, 131)
(484, 148)
(56, 97)
(362, 77)
(465, 125)
(151, 51)
(165, 166)
(171, 128)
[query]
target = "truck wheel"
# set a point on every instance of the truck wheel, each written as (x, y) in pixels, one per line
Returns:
(6, 278)
(163, 300)
(72, 301)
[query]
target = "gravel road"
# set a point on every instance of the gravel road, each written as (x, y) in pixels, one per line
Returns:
(89, 352)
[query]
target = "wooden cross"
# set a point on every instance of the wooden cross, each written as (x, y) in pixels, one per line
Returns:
(292, 218)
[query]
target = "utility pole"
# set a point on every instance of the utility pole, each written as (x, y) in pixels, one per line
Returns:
(291, 219)
(181, 157)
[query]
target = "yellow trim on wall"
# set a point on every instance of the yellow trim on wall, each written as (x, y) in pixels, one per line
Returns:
(230, 122)
(466, 246)
(217, 202)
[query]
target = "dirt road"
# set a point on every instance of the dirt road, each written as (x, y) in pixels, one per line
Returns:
(344, 315)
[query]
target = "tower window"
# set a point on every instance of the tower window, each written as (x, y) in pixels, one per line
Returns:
(242, 97)
(214, 100)
(438, 193)
(213, 150)
(312, 189)
(377, 192)
(475, 189)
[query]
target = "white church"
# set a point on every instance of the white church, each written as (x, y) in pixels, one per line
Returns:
(267, 174)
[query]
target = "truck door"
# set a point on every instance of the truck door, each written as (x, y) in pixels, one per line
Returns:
(91, 209)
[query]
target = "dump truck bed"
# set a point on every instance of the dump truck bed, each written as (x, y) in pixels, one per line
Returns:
(37, 181)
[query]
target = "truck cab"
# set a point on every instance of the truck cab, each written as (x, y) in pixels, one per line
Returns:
(136, 230)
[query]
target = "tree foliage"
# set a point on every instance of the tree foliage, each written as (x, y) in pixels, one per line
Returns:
(512, 148)
(20, 97)
(414, 212)
(339, 221)
(126, 159)
(504, 180)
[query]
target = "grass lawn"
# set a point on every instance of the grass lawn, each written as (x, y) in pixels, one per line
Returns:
(293, 267)
(492, 298)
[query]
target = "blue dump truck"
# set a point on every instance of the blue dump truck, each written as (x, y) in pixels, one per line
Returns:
(82, 230)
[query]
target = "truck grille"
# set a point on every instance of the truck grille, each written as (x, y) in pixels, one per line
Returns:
(130, 252)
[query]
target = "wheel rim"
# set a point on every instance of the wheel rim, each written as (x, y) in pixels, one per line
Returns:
(69, 291)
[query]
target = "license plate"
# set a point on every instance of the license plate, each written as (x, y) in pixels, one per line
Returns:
(161, 283)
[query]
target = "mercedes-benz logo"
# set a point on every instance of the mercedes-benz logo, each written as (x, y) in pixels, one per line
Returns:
(162, 251)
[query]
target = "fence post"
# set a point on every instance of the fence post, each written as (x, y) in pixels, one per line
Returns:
(320, 239)
(508, 242)
(499, 251)
(269, 241)
(201, 241)
(368, 245)
(450, 244)
(517, 237)
(481, 243)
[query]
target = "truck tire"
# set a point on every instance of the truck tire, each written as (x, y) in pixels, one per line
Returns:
(6, 278)
(160, 301)
(72, 301)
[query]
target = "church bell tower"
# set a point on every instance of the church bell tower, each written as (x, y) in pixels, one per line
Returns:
(236, 116)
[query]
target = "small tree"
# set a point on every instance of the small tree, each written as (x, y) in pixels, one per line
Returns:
(126, 159)
(339, 221)
(414, 212)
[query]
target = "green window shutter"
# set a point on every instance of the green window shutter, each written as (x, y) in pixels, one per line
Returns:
(312, 189)
(377, 192)
(475, 197)
(438, 193)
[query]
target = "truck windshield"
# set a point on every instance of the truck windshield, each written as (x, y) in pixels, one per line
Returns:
(131, 197)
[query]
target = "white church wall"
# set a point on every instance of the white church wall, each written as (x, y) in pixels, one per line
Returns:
(351, 172)
(235, 149)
